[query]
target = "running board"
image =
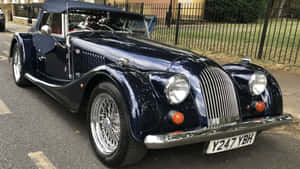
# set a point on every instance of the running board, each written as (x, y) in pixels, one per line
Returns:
(36, 80)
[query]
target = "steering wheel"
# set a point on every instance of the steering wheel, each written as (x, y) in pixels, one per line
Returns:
(82, 25)
(88, 28)
(107, 27)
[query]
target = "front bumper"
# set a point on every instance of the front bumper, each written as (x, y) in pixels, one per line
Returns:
(206, 134)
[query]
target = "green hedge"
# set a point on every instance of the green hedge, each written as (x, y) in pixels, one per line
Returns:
(241, 11)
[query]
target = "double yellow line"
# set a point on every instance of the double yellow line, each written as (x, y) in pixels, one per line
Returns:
(38, 158)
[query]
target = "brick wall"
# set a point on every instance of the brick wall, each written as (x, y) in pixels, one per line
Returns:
(23, 20)
(160, 8)
(150, 1)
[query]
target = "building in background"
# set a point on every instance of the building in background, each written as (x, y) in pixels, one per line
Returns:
(20, 11)
(163, 8)
(95, 1)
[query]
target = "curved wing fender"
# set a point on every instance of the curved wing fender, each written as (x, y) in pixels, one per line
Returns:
(272, 97)
(27, 50)
(139, 96)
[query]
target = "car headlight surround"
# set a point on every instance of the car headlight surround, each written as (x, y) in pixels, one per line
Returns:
(258, 83)
(177, 89)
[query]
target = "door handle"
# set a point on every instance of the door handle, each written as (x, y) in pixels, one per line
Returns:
(42, 58)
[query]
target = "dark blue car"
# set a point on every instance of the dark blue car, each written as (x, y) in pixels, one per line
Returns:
(140, 94)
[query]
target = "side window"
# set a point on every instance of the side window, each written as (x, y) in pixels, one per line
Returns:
(56, 24)
(54, 20)
(44, 20)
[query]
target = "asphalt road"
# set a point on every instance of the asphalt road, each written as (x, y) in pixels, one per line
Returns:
(35, 130)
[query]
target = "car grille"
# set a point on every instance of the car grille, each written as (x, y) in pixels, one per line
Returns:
(219, 97)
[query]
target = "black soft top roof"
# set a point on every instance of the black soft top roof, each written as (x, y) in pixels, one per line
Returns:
(60, 6)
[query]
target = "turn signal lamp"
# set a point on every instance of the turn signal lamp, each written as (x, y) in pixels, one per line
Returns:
(177, 118)
(177, 132)
(260, 106)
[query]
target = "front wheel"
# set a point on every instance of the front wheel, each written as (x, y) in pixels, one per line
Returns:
(109, 128)
(17, 67)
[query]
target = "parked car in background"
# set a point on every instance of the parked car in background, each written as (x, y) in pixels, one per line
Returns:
(140, 94)
(2, 21)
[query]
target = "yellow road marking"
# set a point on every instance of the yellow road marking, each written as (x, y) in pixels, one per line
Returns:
(41, 161)
(3, 58)
(3, 108)
(6, 52)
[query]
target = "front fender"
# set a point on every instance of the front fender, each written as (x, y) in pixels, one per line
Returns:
(138, 94)
(272, 97)
(24, 40)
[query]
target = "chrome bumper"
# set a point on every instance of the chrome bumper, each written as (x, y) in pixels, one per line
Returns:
(205, 134)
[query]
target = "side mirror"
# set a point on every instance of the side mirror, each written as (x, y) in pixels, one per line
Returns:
(46, 30)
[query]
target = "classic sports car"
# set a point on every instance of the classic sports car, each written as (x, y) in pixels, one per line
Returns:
(139, 94)
(2, 21)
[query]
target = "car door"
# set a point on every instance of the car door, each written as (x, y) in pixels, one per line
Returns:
(51, 49)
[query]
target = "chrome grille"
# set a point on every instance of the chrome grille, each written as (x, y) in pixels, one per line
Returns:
(219, 97)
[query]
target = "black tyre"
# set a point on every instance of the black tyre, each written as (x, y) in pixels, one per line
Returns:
(109, 128)
(258, 133)
(17, 67)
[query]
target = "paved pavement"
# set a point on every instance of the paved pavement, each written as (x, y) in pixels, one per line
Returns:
(35, 131)
(13, 27)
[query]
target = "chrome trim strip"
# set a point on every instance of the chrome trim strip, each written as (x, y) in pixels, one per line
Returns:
(35, 80)
(219, 97)
(206, 134)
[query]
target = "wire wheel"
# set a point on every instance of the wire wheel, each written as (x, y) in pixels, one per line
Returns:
(105, 123)
(17, 66)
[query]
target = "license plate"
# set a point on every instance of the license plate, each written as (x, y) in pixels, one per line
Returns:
(230, 143)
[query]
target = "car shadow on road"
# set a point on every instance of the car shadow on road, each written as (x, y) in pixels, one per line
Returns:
(75, 120)
(266, 152)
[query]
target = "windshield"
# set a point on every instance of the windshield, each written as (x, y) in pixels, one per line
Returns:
(106, 21)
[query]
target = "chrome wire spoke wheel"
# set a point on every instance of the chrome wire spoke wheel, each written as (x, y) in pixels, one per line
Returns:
(17, 66)
(105, 123)
(109, 130)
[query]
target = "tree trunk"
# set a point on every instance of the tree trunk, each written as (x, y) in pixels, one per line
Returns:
(283, 2)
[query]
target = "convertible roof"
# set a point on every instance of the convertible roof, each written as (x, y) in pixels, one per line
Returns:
(60, 6)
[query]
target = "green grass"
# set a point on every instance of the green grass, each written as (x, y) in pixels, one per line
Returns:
(282, 40)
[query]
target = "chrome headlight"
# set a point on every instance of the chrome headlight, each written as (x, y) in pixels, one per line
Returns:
(258, 83)
(177, 89)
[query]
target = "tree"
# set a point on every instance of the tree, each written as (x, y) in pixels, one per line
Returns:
(282, 4)
(242, 11)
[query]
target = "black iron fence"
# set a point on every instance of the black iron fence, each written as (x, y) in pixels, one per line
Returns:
(267, 31)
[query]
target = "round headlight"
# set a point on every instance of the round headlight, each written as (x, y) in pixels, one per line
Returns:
(177, 89)
(258, 83)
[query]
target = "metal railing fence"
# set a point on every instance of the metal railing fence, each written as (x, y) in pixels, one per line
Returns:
(272, 33)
